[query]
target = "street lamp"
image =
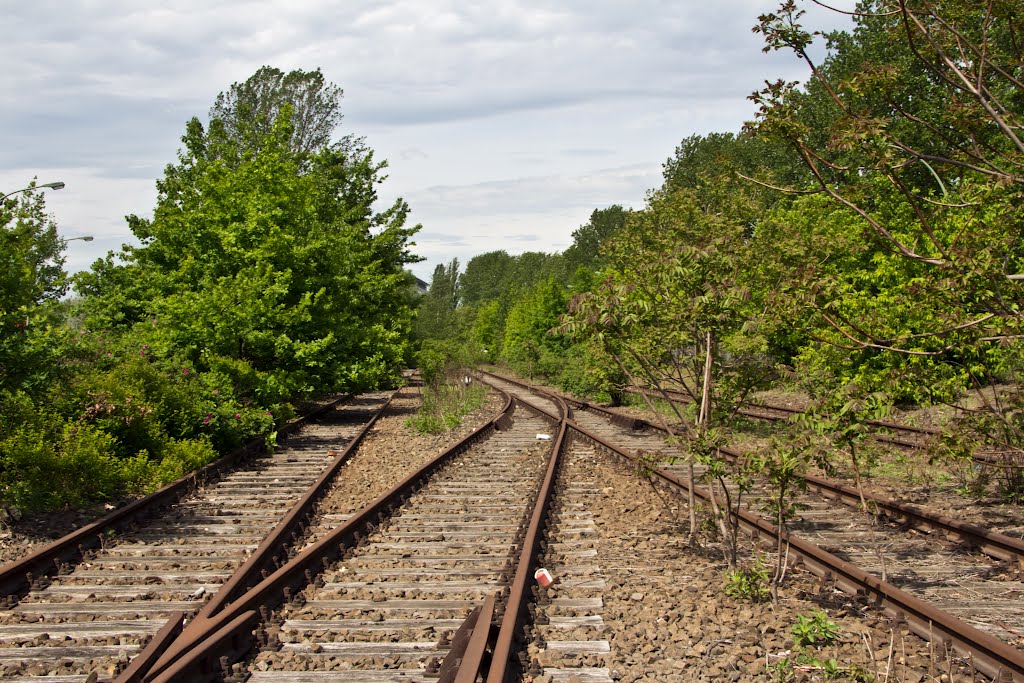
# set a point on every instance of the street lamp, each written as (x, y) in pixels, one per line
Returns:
(56, 185)
(84, 238)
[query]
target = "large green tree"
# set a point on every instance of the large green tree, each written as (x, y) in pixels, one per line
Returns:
(910, 128)
(268, 255)
(588, 238)
(485, 278)
(436, 317)
(31, 276)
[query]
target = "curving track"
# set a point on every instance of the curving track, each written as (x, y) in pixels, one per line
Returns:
(388, 610)
(95, 616)
(979, 590)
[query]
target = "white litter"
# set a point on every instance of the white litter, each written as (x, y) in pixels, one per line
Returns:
(544, 437)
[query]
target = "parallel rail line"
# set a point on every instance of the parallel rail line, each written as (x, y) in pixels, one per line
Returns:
(434, 577)
(118, 590)
(989, 654)
(411, 563)
(903, 436)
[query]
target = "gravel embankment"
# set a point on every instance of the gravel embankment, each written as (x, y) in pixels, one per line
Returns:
(666, 617)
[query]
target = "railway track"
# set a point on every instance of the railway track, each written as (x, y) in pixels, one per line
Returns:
(921, 578)
(904, 436)
(96, 614)
(390, 608)
(383, 593)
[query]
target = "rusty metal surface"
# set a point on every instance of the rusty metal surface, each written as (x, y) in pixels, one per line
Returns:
(278, 539)
(17, 576)
(231, 638)
(476, 651)
(460, 642)
(990, 655)
(125, 591)
(469, 654)
(516, 612)
(993, 543)
(142, 662)
(203, 641)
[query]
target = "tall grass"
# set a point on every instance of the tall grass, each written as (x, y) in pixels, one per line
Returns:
(445, 403)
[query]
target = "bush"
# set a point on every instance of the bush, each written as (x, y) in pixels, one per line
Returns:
(445, 405)
(748, 583)
(814, 630)
(77, 468)
(179, 458)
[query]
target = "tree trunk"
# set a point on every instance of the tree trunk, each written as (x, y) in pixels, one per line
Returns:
(856, 476)
(690, 496)
(702, 426)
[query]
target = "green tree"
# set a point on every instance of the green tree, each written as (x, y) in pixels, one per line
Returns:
(922, 102)
(249, 110)
(528, 345)
(588, 238)
(486, 277)
(31, 277)
(436, 318)
(911, 125)
(268, 256)
(488, 330)
(674, 310)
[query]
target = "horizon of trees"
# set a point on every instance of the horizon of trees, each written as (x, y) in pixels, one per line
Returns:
(859, 240)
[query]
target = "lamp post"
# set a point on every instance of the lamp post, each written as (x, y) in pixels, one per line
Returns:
(84, 238)
(56, 185)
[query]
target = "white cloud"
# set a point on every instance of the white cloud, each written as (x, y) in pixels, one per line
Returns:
(503, 117)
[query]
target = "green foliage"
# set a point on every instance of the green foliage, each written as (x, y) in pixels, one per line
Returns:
(181, 457)
(75, 468)
(445, 404)
(436, 360)
(814, 630)
(528, 347)
(588, 371)
(748, 582)
(914, 146)
(487, 330)
(588, 238)
(257, 253)
(436, 318)
(264, 275)
(486, 278)
(248, 110)
(31, 280)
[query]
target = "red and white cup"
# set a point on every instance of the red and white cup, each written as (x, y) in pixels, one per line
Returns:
(543, 577)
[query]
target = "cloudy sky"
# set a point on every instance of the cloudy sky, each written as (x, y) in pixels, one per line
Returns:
(505, 123)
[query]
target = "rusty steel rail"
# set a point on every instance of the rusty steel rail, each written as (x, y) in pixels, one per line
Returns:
(19, 576)
(287, 529)
(199, 652)
(270, 552)
(472, 646)
(752, 412)
(517, 606)
(989, 655)
(922, 432)
(992, 543)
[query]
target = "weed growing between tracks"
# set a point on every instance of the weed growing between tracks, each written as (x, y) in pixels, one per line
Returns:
(444, 405)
